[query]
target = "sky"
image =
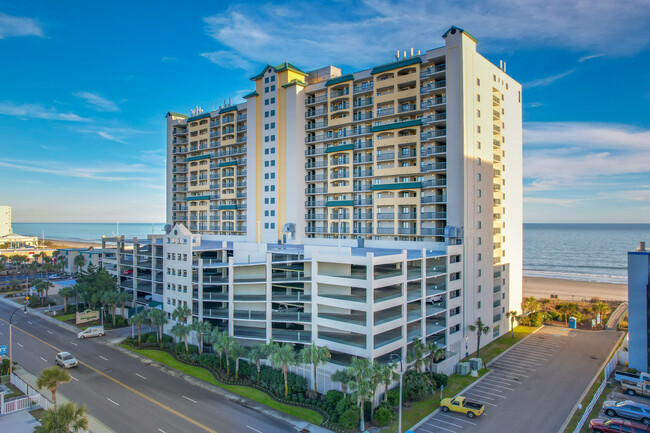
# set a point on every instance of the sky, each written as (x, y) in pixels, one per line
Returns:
(85, 86)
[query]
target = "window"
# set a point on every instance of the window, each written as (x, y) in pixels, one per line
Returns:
(266, 102)
(266, 151)
(272, 200)
(478, 241)
(273, 138)
(266, 213)
(478, 177)
(478, 113)
(478, 225)
(478, 259)
(273, 150)
(478, 129)
(272, 187)
(266, 139)
(478, 289)
(272, 225)
(478, 144)
(479, 273)
(478, 161)
(266, 175)
(273, 111)
(273, 163)
(478, 193)
(478, 209)
(478, 305)
(266, 188)
(266, 201)
(272, 124)
(266, 80)
(266, 126)
(266, 163)
(478, 81)
(272, 78)
(272, 213)
(266, 114)
(273, 88)
(454, 329)
(266, 89)
(266, 225)
(478, 98)
(272, 175)
(272, 100)
(454, 294)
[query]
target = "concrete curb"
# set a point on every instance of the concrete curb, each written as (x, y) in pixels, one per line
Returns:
(468, 387)
(591, 383)
(94, 425)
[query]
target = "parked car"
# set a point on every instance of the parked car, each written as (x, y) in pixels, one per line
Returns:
(435, 299)
(462, 405)
(616, 425)
(128, 272)
(636, 388)
(632, 377)
(283, 308)
(148, 298)
(66, 360)
(628, 409)
(91, 331)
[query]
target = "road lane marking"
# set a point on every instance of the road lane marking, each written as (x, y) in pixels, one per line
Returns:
(20, 345)
(43, 358)
(254, 429)
(105, 359)
(450, 423)
(29, 322)
(500, 386)
(1, 333)
(123, 385)
(161, 430)
(442, 428)
(116, 404)
(505, 378)
(49, 332)
(489, 391)
(74, 378)
(73, 343)
(457, 419)
(479, 396)
(187, 398)
(139, 375)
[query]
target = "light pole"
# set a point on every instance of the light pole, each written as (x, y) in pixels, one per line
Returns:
(11, 352)
(399, 415)
(101, 315)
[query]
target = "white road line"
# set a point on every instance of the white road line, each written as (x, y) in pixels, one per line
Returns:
(29, 322)
(518, 359)
(503, 378)
(531, 358)
(425, 430)
(441, 428)
(489, 393)
(533, 351)
(105, 359)
(49, 332)
(187, 398)
(161, 430)
(456, 419)
(479, 395)
(73, 343)
(43, 358)
(74, 378)
(450, 423)
(480, 399)
(139, 375)
(514, 373)
(116, 404)
(500, 386)
(512, 367)
(20, 345)
(254, 429)
(1, 333)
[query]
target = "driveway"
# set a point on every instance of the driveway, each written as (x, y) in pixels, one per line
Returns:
(534, 386)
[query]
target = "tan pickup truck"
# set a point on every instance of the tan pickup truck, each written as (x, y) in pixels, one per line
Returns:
(636, 388)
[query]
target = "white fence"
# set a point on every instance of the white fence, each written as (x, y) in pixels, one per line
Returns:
(23, 403)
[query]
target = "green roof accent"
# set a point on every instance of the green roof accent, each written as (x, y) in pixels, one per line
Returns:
(286, 66)
(401, 185)
(396, 125)
(227, 163)
(341, 79)
(228, 109)
(199, 197)
(340, 203)
(339, 148)
(250, 95)
(294, 82)
(171, 113)
(395, 65)
(227, 206)
(454, 29)
(195, 158)
(198, 117)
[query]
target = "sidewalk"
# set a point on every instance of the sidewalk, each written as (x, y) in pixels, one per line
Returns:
(94, 425)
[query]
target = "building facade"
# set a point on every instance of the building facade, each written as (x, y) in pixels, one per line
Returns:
(638, 286)
(10, 240)
(358, 211)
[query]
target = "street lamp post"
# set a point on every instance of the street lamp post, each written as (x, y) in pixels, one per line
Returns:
(399, 415)
(101, 315)
(11, 352)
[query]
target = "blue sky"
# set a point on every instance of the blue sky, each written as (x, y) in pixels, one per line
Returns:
(84, 87)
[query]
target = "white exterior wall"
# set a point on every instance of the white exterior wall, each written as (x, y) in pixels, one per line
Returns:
(178, 241)
(5, 220)
(637, 282)
(295, 171)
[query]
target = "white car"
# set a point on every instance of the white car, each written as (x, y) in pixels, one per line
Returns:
(92, 331)
(435, 299)
(66, 360)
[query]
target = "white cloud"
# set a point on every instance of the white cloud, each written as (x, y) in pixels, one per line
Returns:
(228, 60)
(98, 102)
(168, 59)
(547, 80)
(116, 134)
(95, 171)
(534, 104)
(18, 26)
(594, 56)
(552, 201)
(110, 137)
(370, 32)
(36, 111)
(590, 135)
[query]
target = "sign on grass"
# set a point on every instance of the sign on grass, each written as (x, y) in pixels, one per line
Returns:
(87, 316)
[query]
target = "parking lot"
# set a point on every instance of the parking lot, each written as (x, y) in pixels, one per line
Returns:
(534, 386)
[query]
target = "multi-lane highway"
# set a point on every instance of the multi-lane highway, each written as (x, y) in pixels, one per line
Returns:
(124, 393)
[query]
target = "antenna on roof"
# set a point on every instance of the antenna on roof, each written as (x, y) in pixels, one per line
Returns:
(397, 55)
(404, 54)
(418, 52)
(411, 52)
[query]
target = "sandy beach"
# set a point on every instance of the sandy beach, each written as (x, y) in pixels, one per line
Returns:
(57, 243)
(573, 290)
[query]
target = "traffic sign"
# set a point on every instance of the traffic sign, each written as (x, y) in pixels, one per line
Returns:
(4, 349)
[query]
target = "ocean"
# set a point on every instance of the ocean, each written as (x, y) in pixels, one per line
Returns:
(582, 252)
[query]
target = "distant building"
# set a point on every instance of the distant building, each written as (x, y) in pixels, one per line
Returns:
(10, 240)
(638, 292)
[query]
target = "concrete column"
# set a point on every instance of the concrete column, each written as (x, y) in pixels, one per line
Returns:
(231, 296)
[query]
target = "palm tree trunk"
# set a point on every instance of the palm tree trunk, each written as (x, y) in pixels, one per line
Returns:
(54, 397)
(236, 369)
(139, 334)
(315, 380)
(478, 345)
(361, 415)
(187, 348)
(259, 367)
(114, 314)
(227, 363)
(286, 383)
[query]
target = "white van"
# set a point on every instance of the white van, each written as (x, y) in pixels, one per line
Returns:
(93, 331)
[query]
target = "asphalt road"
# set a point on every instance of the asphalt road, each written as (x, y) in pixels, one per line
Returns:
(534, 386)
(124, 393)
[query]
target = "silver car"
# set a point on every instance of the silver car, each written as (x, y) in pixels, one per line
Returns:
(628, 409)
(66, 360)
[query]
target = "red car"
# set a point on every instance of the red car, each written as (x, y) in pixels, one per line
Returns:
(616, 425)
(129, 272)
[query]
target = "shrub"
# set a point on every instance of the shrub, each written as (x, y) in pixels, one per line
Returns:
(536, 319)
(151, 338)
(393, 396)
(440, 379)
(384, 416)
(333, 396)
(167, 338)
(311, 394)
(350, 419)
(344, 405)
(417, 386)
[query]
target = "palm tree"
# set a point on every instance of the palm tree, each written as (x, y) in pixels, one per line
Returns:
(158, 318)
(417, 354)
(65, 293)
(123, 298)
(45, 286)
(512, 315)
(375, 380)
(79, 262)
(362, 390)
(50, 378)
(600, 308)
(315, 356)
(14, 285)
(237, 351)
(67, 418)
(386, 374)
(343, 377)
(181, 313)
(227, 341)
(181, 331)
(110, 299)
(530, 305)
(138, 320)
(284, 356)
(570, 310)
(215, 340)
(436, 353)
(481, 329)
(202, 329)
(256, 354)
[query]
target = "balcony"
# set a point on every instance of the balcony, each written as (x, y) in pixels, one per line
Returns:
(284, 316)
(385, 215)
(316, 216)
(362, 230)
(291, 336)
(215, 313)
(433, 215)
(432, 231)
(433, 86)
(385, 231)
(347, 339)
(314, 113)
(430, 135)
(315, 100)
(407, 230)
(437, 166)
(249, 315)
(249, 332)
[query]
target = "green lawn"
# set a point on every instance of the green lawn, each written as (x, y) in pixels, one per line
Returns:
(245, 391)
(501, 344)
(65, 317)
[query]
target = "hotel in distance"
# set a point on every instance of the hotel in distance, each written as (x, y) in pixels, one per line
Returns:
(357, 211)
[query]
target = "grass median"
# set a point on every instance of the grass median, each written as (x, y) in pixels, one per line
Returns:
(245, 391)
(503, 343)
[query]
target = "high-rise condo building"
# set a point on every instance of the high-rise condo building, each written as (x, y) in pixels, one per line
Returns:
(358, 211)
